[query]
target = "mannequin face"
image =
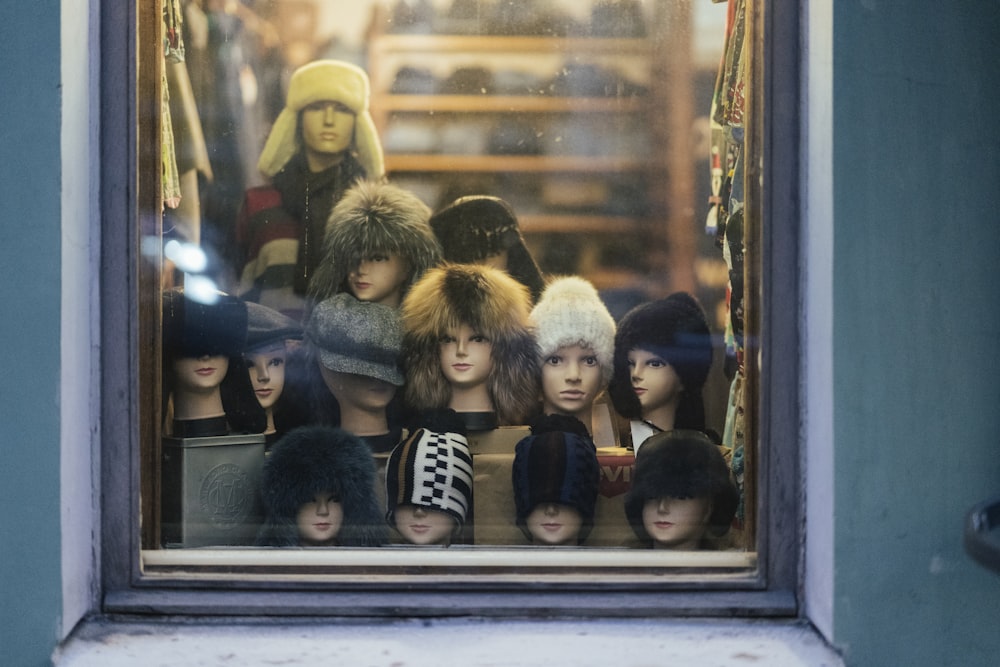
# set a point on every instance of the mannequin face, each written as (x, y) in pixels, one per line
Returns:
(654, 380)
(466, 359)
(420, 525)
(676, 523)
(319, 520)
(358, 391)
(267, 373)
(571, 380)
(554, 524)
(380, 279)
(200, 374)
(327, 130)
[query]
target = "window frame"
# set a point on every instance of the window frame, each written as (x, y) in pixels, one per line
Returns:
(130, 318)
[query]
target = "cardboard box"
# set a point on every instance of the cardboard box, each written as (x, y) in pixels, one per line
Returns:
(211, 490)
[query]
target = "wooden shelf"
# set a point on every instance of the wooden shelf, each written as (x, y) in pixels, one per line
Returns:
(507, 103)
(588, 164)
(496, 43)
(580, 223)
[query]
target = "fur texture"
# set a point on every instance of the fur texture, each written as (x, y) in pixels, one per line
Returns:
(676, 329)
(311, 460)
(681, 464)
(571, 312)
(374, 217)
(492, 303)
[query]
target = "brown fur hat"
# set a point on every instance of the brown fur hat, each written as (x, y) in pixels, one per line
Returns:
(374, 217)
(492, 303)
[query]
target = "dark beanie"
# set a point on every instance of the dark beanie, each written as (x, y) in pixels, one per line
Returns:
(557, 463)
(194, 329)
(676, 329)
(681, 464)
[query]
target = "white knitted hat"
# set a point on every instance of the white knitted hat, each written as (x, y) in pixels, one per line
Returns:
(324, 80)
(570, 312)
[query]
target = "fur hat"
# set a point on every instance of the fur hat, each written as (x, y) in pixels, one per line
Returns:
(492, 303)
(266, 326)
(570, 312)
(316, 459)
(358, 337)
(473, 228)
(374, 217)
(557, 463)
(676, 329)
(682, 464)
(192, 328)
(432, 469)
(314, 82)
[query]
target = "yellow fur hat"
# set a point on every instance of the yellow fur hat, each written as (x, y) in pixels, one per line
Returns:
(324, 80)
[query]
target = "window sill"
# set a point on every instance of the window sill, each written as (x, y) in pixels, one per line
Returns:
(465, 642)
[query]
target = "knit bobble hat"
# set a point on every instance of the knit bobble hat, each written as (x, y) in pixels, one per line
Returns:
(681, 464)
(557, 463)
(432, 469)
(676, 329)
(358, 337)
(193, 328)
(319, 459)
(324, 80)
(476, 227)
(570, 312)
(374, 217)
(494, 305)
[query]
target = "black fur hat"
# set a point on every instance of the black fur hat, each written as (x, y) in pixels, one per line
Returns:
(316, 459)
(192, 328)
(682, 464)
(557, 463)
(475, 227)
(676, 329)
(370, 218)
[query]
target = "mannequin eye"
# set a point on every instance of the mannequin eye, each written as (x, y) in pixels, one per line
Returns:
(478, 338)
(444, 340)
(276, 361)
(553, 360)
(378, 258)
(656, 363)
(590, 361)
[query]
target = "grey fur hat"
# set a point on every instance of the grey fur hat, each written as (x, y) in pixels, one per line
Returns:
(682, 464)
(571, 312)
(370, 218)
(557, 463)
(316, 459)
(676, 329)
(357, 337)
(475, 227)
(432, 468)
(492, 303)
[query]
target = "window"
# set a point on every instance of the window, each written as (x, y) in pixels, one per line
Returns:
(492, 579)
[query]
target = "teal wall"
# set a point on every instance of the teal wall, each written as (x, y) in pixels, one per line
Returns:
(916, 316)
(30, 577)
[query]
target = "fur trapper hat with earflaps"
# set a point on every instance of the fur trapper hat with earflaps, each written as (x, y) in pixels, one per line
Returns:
(317, 81)
(682, 464)
(476, 227)
(432, 468)
(571, 312)
(318, 459)
(558, 464)
(374, 217)
(494, 305)
(676, 329)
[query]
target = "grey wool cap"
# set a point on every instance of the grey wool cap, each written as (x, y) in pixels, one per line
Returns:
(358, 337)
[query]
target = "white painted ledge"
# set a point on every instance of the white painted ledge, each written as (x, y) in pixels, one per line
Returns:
(469, 643)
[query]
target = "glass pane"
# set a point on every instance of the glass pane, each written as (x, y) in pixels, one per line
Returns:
(392, 239)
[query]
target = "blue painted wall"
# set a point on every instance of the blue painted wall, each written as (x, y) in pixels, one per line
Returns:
(916, 318)
(30, 577)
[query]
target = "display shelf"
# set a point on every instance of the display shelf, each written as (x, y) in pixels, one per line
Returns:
(583, 164)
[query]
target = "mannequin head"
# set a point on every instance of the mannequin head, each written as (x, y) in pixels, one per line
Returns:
(429, 481)
(555, 477)
(377, 243)
(325, 116)
(318, 490)
(663, 353)
(456, 313)
(358, 346)
(682, 495)
(266, 366)
(575, 334)
(480, 229)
